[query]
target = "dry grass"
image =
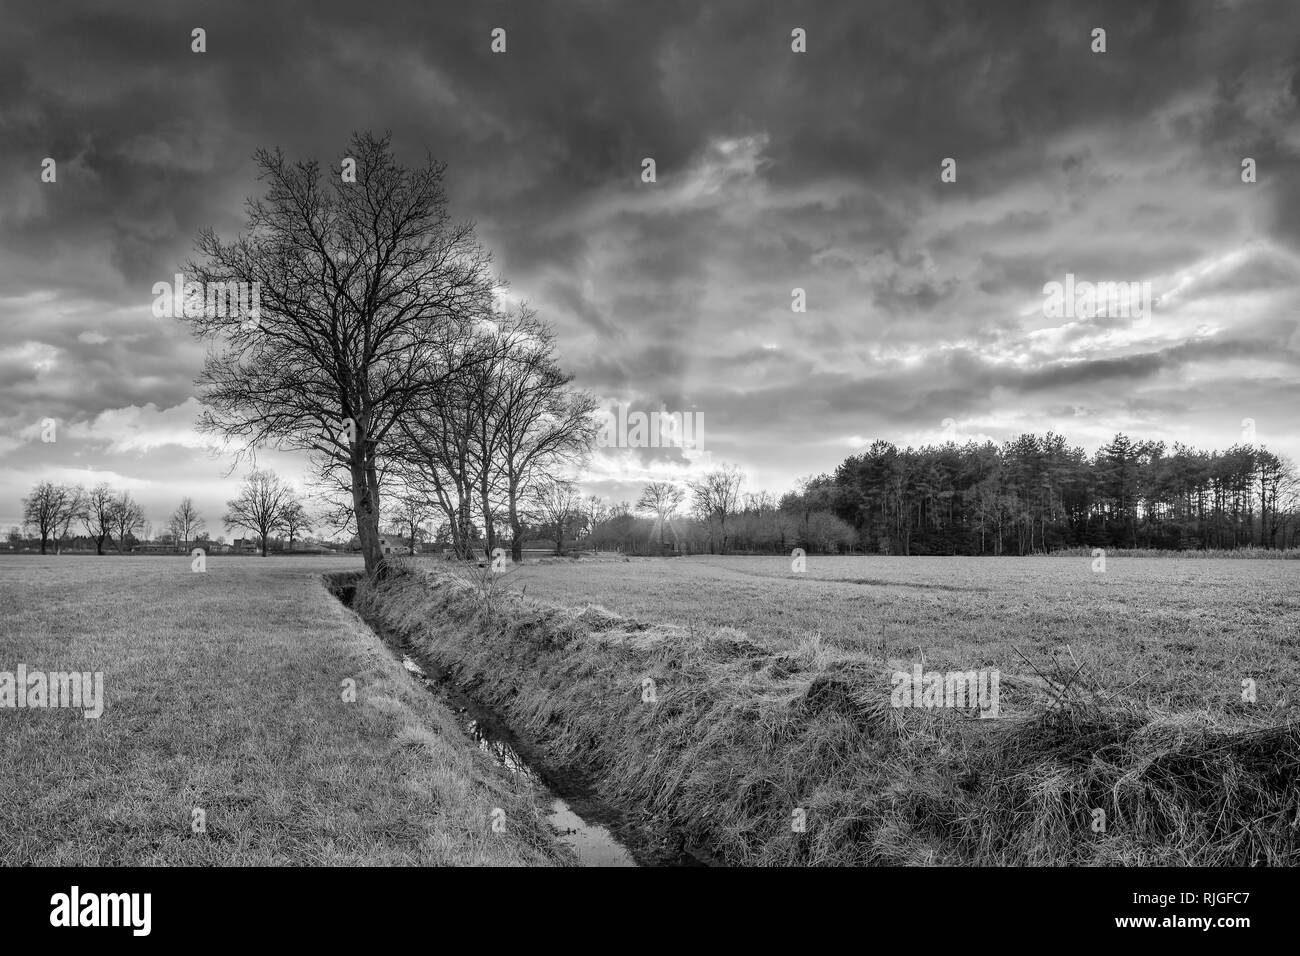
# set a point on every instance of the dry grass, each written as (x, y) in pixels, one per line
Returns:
(224, 693)
(1173, 635)
(744, 731)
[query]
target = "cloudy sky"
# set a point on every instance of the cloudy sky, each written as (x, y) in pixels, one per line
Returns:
(776, 170)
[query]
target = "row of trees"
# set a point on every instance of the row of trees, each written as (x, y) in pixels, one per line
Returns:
(1032, 494)
(492, 446)
(52, 511)
(381, 350)
(751, 523)
(710, 515)
(264, 506)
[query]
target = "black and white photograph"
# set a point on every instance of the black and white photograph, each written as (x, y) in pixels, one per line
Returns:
(486, 434)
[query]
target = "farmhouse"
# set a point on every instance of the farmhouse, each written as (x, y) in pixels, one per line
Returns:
(396, 545)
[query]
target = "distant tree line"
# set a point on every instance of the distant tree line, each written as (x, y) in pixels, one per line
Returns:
(55, 514)
(709, 515)
(1030, 495)
(52, 512)
(1036, 494)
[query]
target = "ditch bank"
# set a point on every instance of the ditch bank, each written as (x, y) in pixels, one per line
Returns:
(710, 746)
(598, 834)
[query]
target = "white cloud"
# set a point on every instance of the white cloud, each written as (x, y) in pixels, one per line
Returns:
(142, 429)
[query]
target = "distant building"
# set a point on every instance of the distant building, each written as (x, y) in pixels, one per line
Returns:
(397, 545)
(154, 547)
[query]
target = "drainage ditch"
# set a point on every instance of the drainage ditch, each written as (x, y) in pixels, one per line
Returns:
(600, 834)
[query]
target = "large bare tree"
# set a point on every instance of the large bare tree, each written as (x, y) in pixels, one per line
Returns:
(368, 293)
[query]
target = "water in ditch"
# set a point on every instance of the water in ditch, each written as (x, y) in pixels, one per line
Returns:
(593, 843)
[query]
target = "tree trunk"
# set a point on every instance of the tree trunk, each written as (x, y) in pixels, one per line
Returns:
(517, 537)
(366, 508)
(466, 524)
(485, 502)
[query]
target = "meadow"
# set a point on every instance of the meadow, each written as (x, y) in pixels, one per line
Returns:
(1147, 712)
(1175, 634)
(730, 704)
(225, 694)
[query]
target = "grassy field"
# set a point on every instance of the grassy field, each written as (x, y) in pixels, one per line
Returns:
(770, 700)
(1176, 634)
(224, 693)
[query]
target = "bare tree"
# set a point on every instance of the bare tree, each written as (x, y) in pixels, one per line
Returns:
(540, 424)
(408, 514)
(50, 510)
(74, 509)
(662, 499)
(127, 517)
(595, 511)
(98, 515)
(295, 520)
(41, 510)
(442, 453)
(716, 496)
(484, 438)
(555, 502)
(366, 287)
(260, 506)
(185, 522)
